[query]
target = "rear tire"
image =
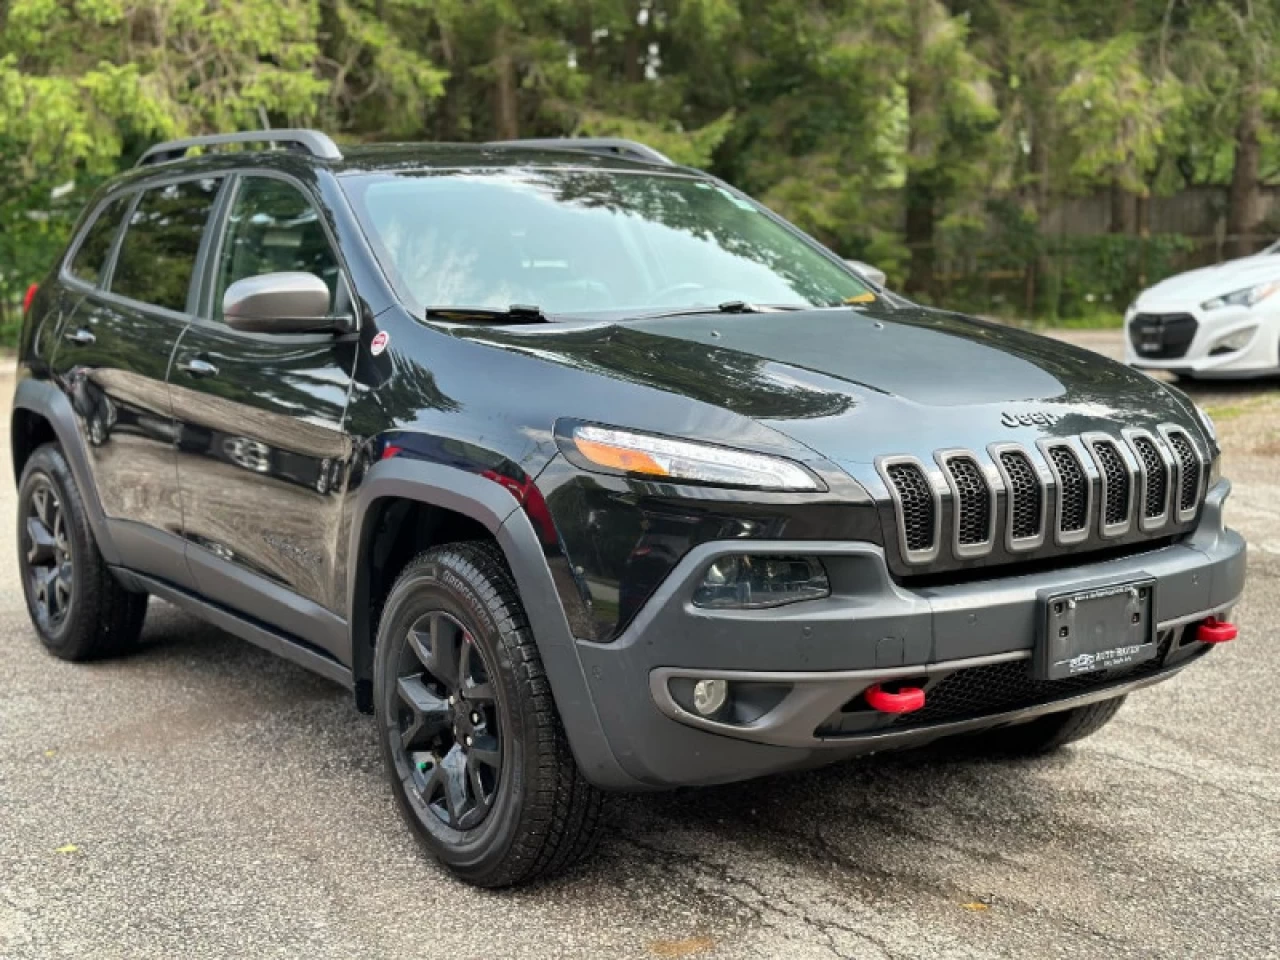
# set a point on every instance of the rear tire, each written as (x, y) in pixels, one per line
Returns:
(469, 733)
(1047, 734)
(78, 607)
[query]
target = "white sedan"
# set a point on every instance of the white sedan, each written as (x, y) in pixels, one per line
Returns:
(1220, 321)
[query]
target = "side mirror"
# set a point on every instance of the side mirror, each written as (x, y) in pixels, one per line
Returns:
(873, 274)
(278, 303)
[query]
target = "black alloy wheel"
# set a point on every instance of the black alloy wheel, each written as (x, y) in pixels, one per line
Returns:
(469, 732)
(450, 727)
(79, 607)
(47, 555)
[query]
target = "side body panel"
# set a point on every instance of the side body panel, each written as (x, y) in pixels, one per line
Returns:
(111, 364)
(262, 457)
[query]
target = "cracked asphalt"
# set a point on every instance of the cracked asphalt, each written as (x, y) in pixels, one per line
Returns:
(202, 799)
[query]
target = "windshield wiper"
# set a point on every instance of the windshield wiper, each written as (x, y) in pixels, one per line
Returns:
(729, 306)
(516, 313)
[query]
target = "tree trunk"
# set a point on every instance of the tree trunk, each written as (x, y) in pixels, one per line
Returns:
(921, 197)
(1124, 210)
(919, 233)
(442, 118)
(1038, 269)
(634, 49)
(1244, 198)
(506, 118)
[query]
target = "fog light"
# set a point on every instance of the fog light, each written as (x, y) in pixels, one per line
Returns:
(1233, 342)
(742, 582)
(709, 696)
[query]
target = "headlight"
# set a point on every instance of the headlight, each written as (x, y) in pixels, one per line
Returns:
(754, 583)
(1243, 298)
(1215, 472)
(1206, 421)
(621, 451)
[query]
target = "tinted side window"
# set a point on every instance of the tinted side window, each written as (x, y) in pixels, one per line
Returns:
(158, 255)
(272, 228)
(91, 259)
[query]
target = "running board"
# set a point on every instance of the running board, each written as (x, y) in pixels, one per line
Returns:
(281, 644)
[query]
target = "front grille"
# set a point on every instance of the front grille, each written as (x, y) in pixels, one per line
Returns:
(1155, 503)
(1188, 472)
(1162, 336)
(1026, 498)
(1117, 483)
(973, 501)
(1018, 499)
(1001, 687)
(1073, 490)
(918, 511)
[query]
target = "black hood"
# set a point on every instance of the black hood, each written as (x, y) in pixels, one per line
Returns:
(853, 384)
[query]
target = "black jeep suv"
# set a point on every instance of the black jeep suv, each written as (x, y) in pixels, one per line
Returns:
(585, 472)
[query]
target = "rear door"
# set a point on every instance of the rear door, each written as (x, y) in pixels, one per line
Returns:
(262, 451)
(113, 359)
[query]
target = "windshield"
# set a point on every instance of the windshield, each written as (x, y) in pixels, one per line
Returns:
(584, 241)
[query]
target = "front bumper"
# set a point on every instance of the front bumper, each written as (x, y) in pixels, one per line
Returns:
(806, 661)
(1257, 357)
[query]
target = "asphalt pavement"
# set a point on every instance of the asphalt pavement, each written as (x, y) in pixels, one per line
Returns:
(203, 799)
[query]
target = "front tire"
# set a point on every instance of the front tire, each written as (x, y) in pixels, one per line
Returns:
(1049, 733)
(470, 736)
(78, 607)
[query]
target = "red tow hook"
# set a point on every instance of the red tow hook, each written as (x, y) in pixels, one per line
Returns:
(906, 700)
(1213, 630)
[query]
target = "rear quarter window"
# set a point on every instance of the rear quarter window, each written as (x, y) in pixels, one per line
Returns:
(158, 254)
(90, 258)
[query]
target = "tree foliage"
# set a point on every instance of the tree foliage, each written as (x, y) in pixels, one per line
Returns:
(891, 129)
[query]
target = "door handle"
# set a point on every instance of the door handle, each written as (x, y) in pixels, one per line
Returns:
(80, 337)
(195, 367)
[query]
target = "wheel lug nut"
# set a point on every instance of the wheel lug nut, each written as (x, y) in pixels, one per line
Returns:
(470, 741)
(475, 718)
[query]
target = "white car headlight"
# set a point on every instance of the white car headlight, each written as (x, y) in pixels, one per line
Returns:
(1243, 298)
(621, 451)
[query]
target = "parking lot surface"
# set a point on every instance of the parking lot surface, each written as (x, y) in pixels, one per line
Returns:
(203, 799)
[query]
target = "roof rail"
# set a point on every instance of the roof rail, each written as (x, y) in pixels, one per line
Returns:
(308, 141)
(609, 146)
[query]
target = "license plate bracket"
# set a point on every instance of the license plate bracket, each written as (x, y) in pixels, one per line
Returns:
(1108, 626)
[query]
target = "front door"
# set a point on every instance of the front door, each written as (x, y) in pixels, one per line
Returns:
(113, 357)
(262, 455)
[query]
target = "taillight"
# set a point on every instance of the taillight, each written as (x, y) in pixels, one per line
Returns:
(31, 295)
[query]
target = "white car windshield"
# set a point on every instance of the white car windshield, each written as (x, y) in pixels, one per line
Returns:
(583, 241)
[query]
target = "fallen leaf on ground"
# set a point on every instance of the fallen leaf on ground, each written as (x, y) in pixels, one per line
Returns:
(68, 848)
(688, 947)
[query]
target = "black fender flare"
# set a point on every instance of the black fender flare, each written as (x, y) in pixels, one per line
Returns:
(491, 505)
(44, 399)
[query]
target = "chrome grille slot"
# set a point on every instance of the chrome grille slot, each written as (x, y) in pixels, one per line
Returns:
(1117, 487)
(917, 508)
(1073, 492)
(1155, 502)
(973, 503)
(1188, 472)
(1026, 496)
